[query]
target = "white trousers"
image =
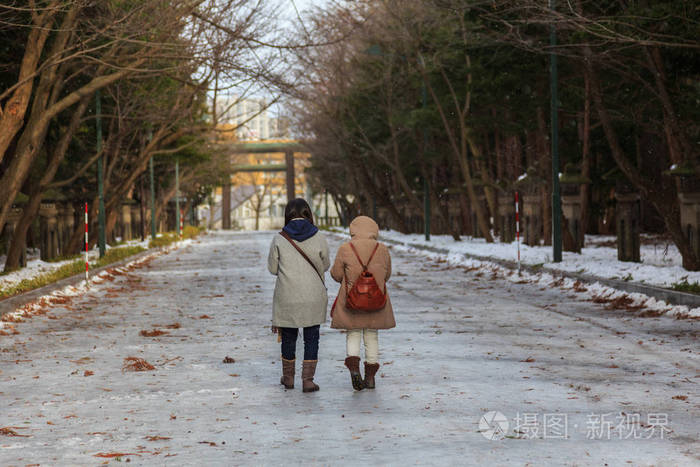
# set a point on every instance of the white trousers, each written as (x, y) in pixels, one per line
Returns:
(371, 338)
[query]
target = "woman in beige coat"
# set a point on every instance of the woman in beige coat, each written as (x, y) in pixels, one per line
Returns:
(301, 299)
(361, 324)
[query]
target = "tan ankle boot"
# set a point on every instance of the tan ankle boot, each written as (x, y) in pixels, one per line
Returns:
(308, 370)
(370, 371)
(287, 373)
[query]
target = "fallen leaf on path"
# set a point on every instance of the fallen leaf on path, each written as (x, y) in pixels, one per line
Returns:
(8, 331)
(528, 360)
(10, 431)
(680, 398)
(88, 373)
(153, 333)
(136, 364)
(157, 438)
(210, 443)
(228, 359)
(205, 317)
(81, 361)
(110, 455)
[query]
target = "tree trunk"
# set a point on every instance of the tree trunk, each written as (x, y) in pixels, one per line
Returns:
(18, 243)
(485, 177)
(459, 152)
(142, 207)
(19, 236)
(585, 160)
(12, 116)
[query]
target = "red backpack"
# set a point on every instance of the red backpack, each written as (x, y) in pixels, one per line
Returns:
(365, 294)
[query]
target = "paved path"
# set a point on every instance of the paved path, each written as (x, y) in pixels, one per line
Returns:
(466, 345)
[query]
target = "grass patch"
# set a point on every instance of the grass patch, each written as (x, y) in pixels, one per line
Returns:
(112, 255)
(58, 259)
(171, 237)
(117, 254)
(685, 286)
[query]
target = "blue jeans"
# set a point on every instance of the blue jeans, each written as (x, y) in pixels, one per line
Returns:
(289, 342)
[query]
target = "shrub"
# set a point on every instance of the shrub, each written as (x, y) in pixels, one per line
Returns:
(685, 286)
(167, 238)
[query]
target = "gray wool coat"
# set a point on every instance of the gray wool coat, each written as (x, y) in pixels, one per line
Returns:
(301, 298)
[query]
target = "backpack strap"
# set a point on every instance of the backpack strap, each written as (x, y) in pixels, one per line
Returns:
(357, 255)
(286, 235)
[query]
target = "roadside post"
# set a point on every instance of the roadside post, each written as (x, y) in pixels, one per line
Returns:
(517, 226)
(87, 264)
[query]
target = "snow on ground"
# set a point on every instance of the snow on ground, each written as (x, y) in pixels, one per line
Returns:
(597, 261)
(660, 266)
(569, 382)
(41, 304)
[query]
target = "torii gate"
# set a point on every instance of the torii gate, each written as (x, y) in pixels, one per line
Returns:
(260, 148)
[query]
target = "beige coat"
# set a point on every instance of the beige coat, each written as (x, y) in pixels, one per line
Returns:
(300, 299)
(346, 269)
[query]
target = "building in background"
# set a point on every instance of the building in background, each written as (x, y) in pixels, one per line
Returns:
(251, 118)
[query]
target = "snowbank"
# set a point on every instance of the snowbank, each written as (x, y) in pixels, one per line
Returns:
(660, 267)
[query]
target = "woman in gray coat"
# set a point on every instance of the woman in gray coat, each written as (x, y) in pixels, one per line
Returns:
(299, 258)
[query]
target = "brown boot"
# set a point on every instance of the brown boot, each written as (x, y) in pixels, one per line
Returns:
(308, 370)
(287, 373)
(370, 371)
(353, 364)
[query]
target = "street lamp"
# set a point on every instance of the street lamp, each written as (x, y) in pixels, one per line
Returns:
(153, 191)
(177, 197)
(556, 189)
(101, 240)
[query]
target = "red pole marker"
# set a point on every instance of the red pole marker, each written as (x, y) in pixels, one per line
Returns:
(86, 243)
(182, 213)
(517, 226)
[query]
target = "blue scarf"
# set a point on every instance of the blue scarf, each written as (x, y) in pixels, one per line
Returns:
(300, 229)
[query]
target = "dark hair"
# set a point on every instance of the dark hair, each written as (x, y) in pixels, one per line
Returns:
(297, 208)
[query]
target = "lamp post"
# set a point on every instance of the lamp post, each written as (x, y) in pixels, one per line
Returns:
(101, 241)
(556, 189)
(153, 192)
(426, 186)
(177, 196)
